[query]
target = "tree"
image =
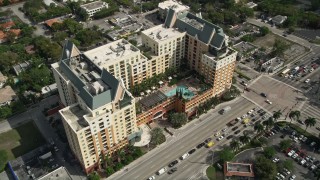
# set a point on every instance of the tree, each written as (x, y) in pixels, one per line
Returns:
(279, 47)
(235, 145)
(264, 30)
(157, 136)
(178, 119)
(269, 152)
(244, 138)
(120, 155)
(3, 159)
(264, 168)
(226, 154)
(288, 164)
(94, 176)
(5, 111)
(11, 36)
(109, 170)
(277, 115)
(258, 127)
(268, 123)
(118, 166)
(285, 144)
(310, 121)
(294, 115)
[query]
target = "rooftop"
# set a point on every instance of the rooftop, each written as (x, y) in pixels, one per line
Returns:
(244, 47)
(2, 77)
(93, 5)
(51, 21)
(109, 53)
(238, 169)
(175, 5)
(160, 33)
(59, 174)
(153, 99)
(74, 116)
(7, 94)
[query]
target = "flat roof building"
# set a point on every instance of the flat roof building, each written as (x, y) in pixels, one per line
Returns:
(171, 4)
(234, 170)
(94, 7)
(58, 174)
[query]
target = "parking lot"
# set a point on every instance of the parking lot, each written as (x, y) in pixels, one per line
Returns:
(303, 156)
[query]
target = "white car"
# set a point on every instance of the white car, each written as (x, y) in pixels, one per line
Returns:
(292, 177)
(295, 155)
(224, 129)
(251, 111)
(303, 161)
(275, 160)
(220, 138)
(217, 134)
(151, 178)
(244, 116)
(291, 153)
(269, 102)
(313, 167)
(307, 81)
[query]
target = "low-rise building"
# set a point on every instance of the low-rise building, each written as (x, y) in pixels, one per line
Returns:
(7, 95)
(49, 90)
(21, 67)
(58, 174)
(238, 170)
(50, 22)
(94, 7)
(278, 20)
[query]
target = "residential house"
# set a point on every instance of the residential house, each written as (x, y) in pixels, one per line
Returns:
(7, 95)
(3, 80)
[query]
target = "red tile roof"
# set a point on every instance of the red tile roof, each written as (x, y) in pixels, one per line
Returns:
(51, 21)
(238, 169)
(7, 25)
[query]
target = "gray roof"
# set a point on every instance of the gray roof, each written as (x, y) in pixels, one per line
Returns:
(199, 28)
(92, 100)
(153, 99)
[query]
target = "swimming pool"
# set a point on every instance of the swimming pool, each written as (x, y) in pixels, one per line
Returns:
(186, 93)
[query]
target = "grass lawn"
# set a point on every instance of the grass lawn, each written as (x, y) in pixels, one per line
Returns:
(211, 173)
(21, 140)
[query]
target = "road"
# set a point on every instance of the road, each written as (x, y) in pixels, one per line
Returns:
(280, 32)
(182, 142)
(15, 9)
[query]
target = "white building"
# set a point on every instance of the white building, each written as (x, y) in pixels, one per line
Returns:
(94, 7)
(171, 4)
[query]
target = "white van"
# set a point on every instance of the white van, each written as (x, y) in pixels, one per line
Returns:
(161, 171)
(184, 156)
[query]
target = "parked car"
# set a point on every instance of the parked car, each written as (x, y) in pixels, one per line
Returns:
(192, 151)
(151, 178)
(172, 170)
(263, 95)
(173, 163)
(275, 160)
(201, 145)
(237, 132)
(220, 138)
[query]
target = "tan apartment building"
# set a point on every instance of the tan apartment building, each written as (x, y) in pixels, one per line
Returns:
(167, 46)
(99, 115)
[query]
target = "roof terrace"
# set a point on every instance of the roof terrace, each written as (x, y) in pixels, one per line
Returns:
(111, 52)
(74, 116)
(160, 33)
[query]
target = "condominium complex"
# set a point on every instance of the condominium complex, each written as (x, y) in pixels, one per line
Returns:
(171, 4)
(99, 115)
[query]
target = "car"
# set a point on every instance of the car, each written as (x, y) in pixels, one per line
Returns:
(173, 163)
(210, 144)
(207, 140)
(312, 167)
(302, 162)
(184, 156)
(192, 151)
(151, 178)
(275, 160)
(280, 175)
(292, 177)
(172, 170)
(260, 111)
(318, 128)
(234, 128)
(295, 155)
(220, 138)
(224, 129)
(307, 164)
(238, 119)
(250, 112)
(56, 148)
(291, 153)
(230, 136)
(268, 101)
(307, 81)
(201, 145)
(244, 116)
(286, 171)
(237, 132)
(278, 178)
(263, 95)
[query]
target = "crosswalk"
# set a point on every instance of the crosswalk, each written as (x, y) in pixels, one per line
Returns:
(310, 111)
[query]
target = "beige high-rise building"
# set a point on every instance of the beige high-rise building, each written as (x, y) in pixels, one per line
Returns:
(99, 115)
(167, 46)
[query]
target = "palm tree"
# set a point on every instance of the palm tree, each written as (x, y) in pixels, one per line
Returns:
(235, 145)
(259, 128)
(244, 138)
(310, 121)
(277, 115)
(157, 136)
(294, 115)
(268, 123)
(120, 155)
